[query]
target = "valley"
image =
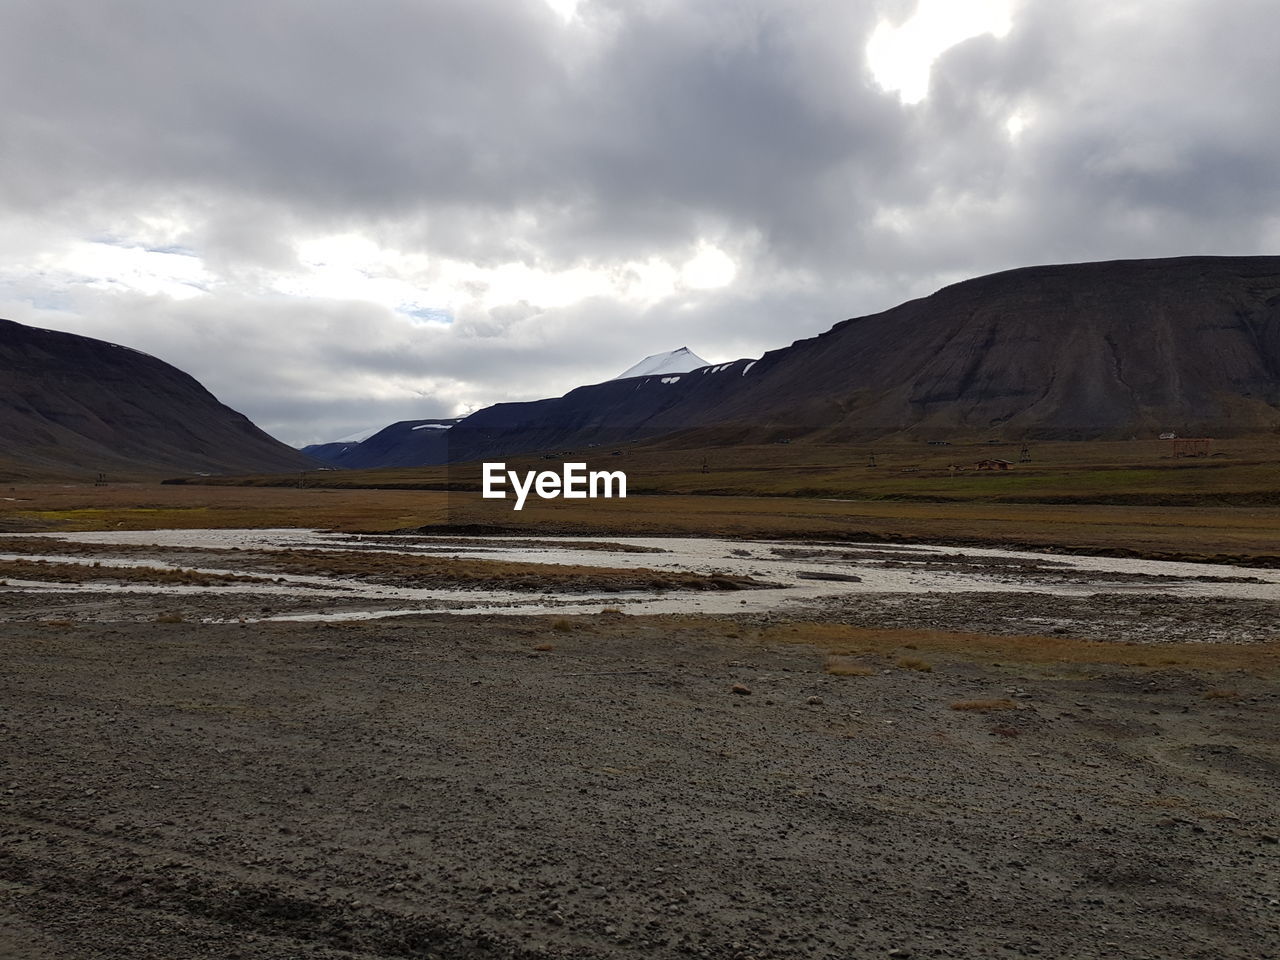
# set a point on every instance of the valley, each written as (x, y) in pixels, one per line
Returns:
(879, 656)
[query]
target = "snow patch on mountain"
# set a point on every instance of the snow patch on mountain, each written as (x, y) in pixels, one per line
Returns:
(675, 361)
(361, 436)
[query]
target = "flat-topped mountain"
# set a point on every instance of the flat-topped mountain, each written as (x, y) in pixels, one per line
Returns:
(72, 404)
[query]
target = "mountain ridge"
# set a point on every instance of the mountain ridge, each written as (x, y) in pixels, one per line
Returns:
(74, 404)
(405, 443)
(1068, 351)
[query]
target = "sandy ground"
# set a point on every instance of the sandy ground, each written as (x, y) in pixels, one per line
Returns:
(593, 786)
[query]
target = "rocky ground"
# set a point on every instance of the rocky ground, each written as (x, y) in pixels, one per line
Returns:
(586, 787)
(1122, 617)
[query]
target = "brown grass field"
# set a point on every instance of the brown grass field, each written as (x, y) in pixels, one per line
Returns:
(1249, 534)
(844, 642)
(420, 571)
(1131, 498)
(50, 572)
(1243, 471)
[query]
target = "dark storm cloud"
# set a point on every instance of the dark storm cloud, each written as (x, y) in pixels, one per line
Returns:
(322, 104)
(633, 129)
(1149, 131)
(493, 132)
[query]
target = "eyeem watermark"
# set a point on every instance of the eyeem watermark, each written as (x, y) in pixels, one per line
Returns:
(574, 483)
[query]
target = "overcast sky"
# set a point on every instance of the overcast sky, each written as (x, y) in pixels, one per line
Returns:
(337, 215)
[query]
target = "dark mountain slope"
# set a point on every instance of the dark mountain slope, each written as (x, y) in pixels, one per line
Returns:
(1105, 349)
(1113, 349)
(329, 452)
(407, 443)
(71, 404)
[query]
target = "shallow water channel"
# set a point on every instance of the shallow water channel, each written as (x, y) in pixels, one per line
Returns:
(800, 574)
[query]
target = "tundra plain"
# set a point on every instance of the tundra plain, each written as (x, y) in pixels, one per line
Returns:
(1063, 765)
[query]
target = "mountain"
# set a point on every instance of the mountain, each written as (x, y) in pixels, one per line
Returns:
(412, 443)
(676, 361)
(332, 452)
(329, 453)
(1090, 350)
(74, 405)
(409, 443)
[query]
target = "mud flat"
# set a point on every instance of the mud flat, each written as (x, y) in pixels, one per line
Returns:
(1053, 759)
(252, 575)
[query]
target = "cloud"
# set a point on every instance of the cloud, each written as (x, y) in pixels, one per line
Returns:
(335, 214)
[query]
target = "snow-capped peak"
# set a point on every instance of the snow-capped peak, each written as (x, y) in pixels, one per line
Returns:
(675, 361)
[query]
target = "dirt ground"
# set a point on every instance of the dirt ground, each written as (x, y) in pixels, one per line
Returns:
(537, 787)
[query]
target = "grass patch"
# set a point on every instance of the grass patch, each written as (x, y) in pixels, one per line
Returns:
(412, 570)
(844, 640)
(1222, 693)
(915, 663)
(847, 667)
(59, 572)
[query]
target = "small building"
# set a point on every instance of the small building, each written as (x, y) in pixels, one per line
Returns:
(993, 464)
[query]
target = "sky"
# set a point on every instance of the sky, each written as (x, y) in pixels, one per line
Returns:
(339, 215)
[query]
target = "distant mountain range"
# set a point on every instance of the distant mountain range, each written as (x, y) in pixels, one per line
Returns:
(412, 443)
(1092, 350)
(71, 405)
(1095, 350)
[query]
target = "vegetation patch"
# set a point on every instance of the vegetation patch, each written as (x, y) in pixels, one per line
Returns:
(57, 572)
(843, 640)
(1222, 693)
(426, 539)
(847, 667)
(417, 570)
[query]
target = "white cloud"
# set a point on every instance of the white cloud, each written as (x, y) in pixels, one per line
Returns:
(567, 9)
(709, 269)
(110, 265)
(901, 56)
